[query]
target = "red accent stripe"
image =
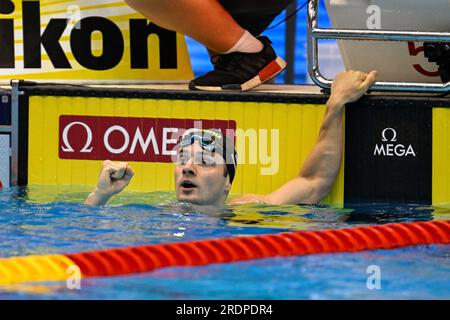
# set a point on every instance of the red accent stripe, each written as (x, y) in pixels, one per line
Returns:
(269, 71)
(150, 257)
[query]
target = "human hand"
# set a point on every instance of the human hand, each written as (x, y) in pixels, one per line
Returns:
(113, 178)
(349, 86)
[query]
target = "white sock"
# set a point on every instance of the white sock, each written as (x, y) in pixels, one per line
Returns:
(247, 43)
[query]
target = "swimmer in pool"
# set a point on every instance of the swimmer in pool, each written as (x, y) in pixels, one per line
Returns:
(206, 160)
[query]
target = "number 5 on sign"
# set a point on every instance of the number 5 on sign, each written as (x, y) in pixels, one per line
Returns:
(413, 51)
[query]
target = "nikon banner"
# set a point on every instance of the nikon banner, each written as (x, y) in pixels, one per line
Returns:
(85, 41)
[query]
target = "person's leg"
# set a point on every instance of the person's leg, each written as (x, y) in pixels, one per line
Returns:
(244, 61)
(255, 15)
(203, 20)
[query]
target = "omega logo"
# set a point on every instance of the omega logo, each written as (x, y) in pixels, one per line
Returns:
(394, 135)
(137, 140)
(387, 149)
(67, 147)
(126, 138)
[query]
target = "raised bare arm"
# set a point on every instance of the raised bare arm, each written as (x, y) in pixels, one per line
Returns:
(318, 174)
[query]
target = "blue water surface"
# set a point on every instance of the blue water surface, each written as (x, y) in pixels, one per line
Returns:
(43, 220)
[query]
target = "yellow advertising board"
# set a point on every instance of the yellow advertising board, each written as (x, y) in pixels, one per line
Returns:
(391, 155)
(101, 41)
(69, 137)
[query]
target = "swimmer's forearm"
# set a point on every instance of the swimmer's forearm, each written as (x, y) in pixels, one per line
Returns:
(324, 160)
(97, 198)
(318, 173)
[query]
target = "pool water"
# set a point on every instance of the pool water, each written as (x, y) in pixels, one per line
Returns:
(46, 220)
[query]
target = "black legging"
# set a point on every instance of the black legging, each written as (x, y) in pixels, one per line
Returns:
(255, 15)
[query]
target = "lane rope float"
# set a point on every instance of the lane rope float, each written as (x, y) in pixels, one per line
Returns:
(123, 261)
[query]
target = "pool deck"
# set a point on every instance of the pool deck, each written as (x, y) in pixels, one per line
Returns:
(180, 91)
(265, 88)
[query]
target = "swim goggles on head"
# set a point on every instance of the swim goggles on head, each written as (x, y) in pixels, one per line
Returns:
(213, 141)
(206, 142)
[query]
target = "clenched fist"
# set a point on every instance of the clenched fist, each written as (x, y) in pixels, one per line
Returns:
(113, 178)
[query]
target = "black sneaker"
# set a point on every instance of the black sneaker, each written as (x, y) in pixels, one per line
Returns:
(241, 71)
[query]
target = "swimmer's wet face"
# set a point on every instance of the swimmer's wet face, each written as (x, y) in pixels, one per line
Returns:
(201, 176)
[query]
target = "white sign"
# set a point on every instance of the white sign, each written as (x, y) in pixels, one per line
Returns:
(394, 60)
